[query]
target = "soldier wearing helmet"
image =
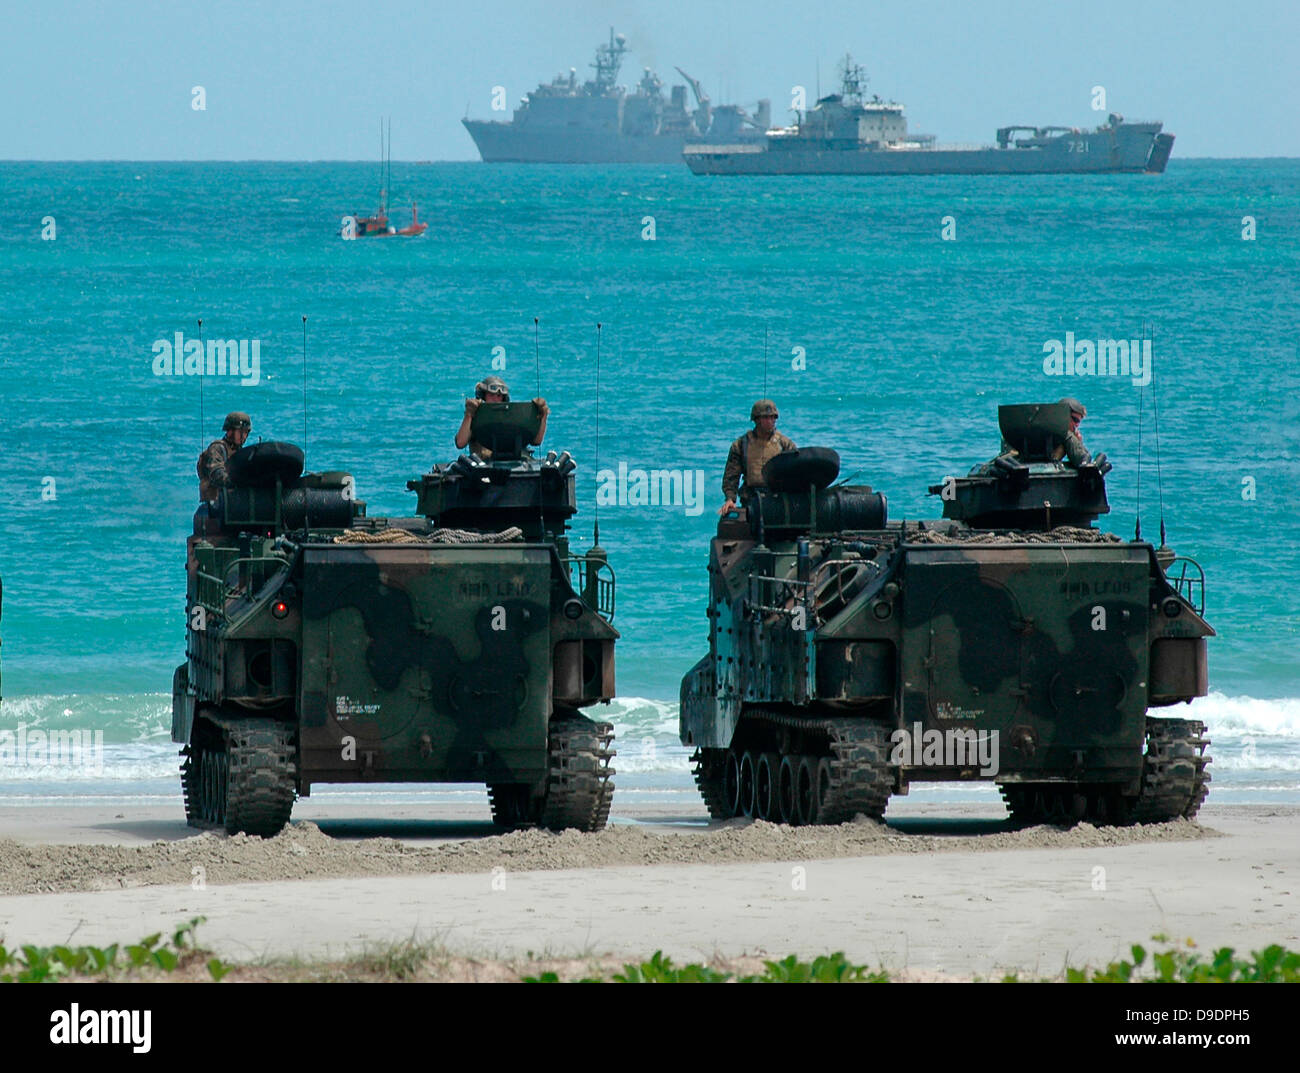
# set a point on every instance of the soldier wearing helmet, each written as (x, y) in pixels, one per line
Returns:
(212, 463)
(1073, 449)
(493, 389)
(750, 453)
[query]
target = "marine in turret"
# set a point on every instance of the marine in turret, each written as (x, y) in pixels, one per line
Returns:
(493, 389)
(751, 452)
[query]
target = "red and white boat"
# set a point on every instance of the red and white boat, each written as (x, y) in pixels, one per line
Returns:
(378, 225)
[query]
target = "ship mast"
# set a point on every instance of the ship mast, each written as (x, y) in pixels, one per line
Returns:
(853, 80)
(609, 58)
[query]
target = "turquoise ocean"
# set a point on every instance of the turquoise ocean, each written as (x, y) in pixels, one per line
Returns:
(883, 339)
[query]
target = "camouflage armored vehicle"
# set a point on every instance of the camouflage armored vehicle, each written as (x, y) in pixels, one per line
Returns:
(1011, 641)
(456, 646)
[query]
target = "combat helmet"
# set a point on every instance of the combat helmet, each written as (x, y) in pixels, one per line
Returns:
(237, 420)
(763, 408)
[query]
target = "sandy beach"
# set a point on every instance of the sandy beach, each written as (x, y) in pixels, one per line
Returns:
(937, 888)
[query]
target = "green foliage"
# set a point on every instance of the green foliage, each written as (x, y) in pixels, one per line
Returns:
(39, 964)
(661, 970)
(401, 961)
(1175, 965)
(550, 977)
(833, 969)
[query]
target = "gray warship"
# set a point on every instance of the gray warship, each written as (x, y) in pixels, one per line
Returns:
(847, 133)
(565, 121)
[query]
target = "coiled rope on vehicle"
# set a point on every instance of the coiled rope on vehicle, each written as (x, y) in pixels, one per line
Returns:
(438, 536)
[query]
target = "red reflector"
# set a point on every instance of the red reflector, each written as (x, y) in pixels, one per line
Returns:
(279, 609)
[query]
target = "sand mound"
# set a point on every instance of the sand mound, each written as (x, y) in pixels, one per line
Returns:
(302, 851)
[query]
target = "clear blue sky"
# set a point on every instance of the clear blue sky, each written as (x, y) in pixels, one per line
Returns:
(308, 81)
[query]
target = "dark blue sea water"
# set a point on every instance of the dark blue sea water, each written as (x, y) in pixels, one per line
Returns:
(910, 342)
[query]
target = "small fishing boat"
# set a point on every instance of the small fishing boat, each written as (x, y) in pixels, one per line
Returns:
(378, 225)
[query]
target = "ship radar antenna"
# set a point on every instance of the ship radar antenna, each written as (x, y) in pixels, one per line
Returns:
(608, 60)
(853, 80)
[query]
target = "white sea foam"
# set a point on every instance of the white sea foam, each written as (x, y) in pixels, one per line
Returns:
(1243, 716)
(1252, 738)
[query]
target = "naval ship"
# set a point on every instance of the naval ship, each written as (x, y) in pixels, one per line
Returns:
(599, 122)
(848, 133)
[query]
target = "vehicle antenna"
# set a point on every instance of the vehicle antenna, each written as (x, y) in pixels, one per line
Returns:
(1137, 528)
(595, 532)
(304, 384)
(202, 363)
(306, 501)
(764, 361)
(537, 364)
(1155, 408)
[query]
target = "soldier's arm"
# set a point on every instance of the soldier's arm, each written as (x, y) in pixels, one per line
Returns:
(545, 411)
(462, 433)
(217, 474)
(1075, 452)
(787, 444)
(731, 475)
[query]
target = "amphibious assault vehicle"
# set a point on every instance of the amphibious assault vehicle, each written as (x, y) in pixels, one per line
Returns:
(1011, 641)
(325, 646)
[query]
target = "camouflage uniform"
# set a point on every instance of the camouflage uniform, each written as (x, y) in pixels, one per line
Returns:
(1073, 450)
(747, 457)
(212, 468)
(212, 463)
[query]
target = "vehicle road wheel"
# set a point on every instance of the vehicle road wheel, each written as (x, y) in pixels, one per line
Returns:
(765, 780)
(787, 781)
(747, 781)
(806, 790)
(823, 790)
(731, 785)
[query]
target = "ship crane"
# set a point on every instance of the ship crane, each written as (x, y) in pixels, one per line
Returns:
(703, 109)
